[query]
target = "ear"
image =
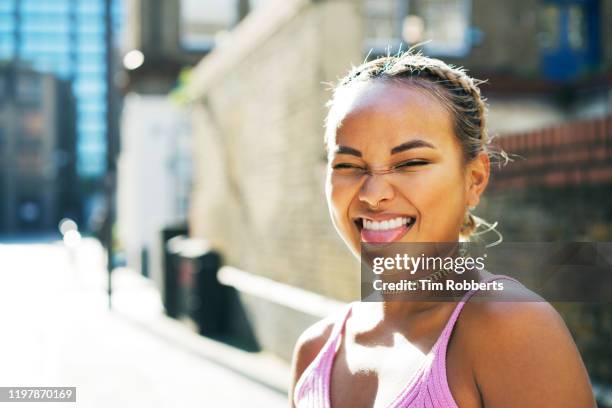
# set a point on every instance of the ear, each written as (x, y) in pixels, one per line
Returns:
(477, 178)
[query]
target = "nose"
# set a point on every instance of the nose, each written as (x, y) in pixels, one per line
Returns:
(375, 190)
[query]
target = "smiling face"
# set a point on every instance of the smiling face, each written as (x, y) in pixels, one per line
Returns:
(396, 169)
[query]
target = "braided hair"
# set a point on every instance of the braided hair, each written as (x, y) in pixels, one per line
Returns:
(452, 86)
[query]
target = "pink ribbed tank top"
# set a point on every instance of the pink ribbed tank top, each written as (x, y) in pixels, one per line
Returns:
(428, 388)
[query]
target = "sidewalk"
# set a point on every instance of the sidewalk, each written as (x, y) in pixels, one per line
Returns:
(136, 299)
(58, 331)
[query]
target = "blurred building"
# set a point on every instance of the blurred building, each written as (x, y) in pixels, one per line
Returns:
(38, 180)
(161, 41)
(66, 38)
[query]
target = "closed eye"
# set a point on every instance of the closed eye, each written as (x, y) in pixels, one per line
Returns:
(406, 166)
(340, 166)
(411, 163)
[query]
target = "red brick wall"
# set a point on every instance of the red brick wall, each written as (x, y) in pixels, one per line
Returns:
(573, 153)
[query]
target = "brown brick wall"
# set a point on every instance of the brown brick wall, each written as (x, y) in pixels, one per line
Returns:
(568, 154)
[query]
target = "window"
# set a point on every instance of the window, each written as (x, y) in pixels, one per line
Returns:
(563, 26)
(32, 125)
(6, 6)
(576, 28)
(86, 69)
(92, 117)
(91, 159)
(32, 45)
(85, 46)
(29, 88)
(89, 86)
(548, 36)
(89, 7)
(7, 47)
(202, 20)
(88, 24)
(46, 7)
(88, 105)
(445, 24)
(97, 139)
(92, 59)
(85, 127)
(7, 24)
(568, 37)
(382, 24)
(44, 22)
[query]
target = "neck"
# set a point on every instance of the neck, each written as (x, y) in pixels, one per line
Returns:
(416, 321)
(424, 303)
(402, 311)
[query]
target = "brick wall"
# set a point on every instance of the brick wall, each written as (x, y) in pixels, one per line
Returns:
(572, 153)
(259, 154)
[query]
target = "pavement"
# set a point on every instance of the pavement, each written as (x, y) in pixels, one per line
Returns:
(57, 330)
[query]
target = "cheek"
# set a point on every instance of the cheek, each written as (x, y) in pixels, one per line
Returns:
(340, 193)
(439, 196)
(337, 191)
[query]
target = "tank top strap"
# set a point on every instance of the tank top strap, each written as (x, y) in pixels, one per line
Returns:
(312, 388)
(332, 344)
(436, 381)
(343, 314)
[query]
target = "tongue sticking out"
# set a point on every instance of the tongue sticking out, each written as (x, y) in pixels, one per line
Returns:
(388, 235)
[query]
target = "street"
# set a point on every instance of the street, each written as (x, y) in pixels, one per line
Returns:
(57, 331)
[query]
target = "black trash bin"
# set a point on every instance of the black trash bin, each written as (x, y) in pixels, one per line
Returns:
(202, 299)
(171, 262)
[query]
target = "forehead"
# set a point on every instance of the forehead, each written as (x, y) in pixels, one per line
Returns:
(389, 113)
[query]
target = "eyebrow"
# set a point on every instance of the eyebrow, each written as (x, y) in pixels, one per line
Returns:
(347, 150)
(412, 144)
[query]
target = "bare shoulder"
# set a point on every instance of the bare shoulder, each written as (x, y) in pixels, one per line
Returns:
(515, 310)
(311, 341)
(504, 322)
(522, 353)
(308, 346)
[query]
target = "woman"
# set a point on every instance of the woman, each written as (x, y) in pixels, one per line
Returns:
(408, 159)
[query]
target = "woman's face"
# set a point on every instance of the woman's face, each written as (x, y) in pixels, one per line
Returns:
(425, 197)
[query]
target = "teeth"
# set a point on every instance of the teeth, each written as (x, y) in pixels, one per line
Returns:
(387, 224)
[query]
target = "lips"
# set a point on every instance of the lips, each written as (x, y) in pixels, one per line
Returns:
(384, 230)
